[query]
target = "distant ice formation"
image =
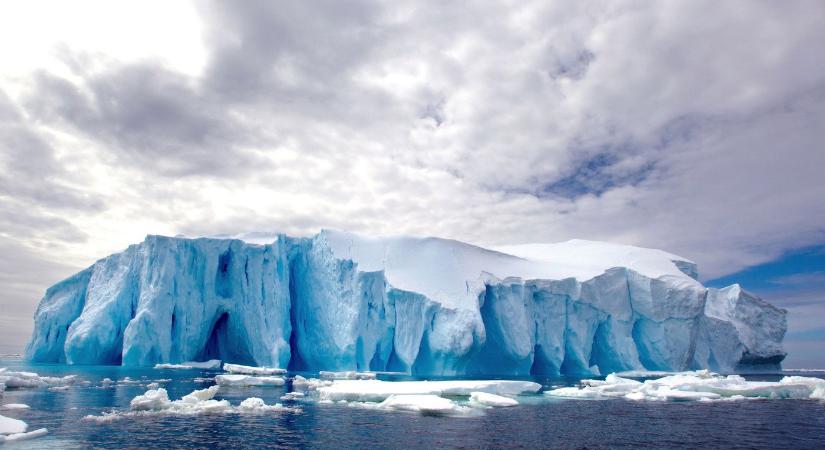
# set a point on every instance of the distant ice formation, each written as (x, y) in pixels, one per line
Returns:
(700, 385)
(341, 302)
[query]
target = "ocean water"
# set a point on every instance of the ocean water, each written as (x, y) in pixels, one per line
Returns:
(541, 423)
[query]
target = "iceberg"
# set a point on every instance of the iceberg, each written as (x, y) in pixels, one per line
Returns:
(340, 302)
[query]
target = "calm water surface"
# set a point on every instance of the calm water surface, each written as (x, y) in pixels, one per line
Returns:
(544, 424)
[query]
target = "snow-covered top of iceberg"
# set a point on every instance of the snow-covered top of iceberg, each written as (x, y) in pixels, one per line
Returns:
(452, 272)
(446, 270)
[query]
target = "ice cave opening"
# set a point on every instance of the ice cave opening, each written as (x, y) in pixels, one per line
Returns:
(227, 343)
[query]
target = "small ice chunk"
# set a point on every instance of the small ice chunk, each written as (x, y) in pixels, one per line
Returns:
(250, 370)
(255, 404)
(427, 404)
(12, 426)
(248, 380)
(309, 384)
(17, 379)
(292, 396)
(10, 406)
(153, 399)
(23, 436)
(348, 375)
(105, 417)
(486, 399)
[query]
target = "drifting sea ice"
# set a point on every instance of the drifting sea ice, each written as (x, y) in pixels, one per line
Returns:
(248, 380)
(15, 379)
(15, 430)
(491, 400)
(701, 385)
(12, 426)
(426, 404)
(12, 406)
(250, 370)
(378, 390)
(156, 401)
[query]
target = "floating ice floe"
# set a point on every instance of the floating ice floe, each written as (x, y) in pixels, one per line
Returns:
(15, 379)
(250, 370)
(156, 401)
(426, 404)
(377, 390)
(212, 364)
(349, 375)
(491, 400)
(309, 384)
(248, 380)
(24, 436)
(13, 406)
(700, 385)
(15, 430)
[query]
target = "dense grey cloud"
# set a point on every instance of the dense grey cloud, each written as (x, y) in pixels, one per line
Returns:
(690, 126)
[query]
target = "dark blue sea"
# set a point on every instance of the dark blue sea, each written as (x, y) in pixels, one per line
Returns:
(591, 424)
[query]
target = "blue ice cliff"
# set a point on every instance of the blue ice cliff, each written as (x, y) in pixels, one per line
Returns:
(339, 301)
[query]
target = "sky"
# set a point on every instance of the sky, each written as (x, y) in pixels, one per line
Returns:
(692, 126)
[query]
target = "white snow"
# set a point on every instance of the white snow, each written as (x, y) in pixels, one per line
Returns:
(12, 406)
(487, 399)
(212, 364)
(378, 390)
(441, 268)
(310, 384)
(248, 380)
(12, 426)
(24, 436)
(156, 401)
(427, 404)
(18, 379)
(697, 385)
(250, 370)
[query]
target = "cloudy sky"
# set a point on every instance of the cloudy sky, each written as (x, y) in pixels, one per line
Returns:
(694, 126)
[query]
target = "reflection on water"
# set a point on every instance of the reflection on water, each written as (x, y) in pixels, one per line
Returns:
(540, 423)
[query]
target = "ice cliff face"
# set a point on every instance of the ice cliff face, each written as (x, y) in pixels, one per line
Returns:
(339, 301)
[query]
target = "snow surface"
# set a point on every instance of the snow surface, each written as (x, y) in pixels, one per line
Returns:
(699, 385)
(11, 426)
(250, 370)
(423, 306)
